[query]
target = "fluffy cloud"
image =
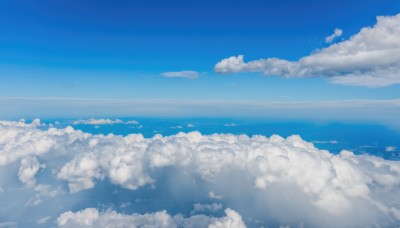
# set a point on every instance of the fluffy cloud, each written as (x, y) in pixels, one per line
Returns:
(289, 178)
(91, 217)
(93, 121)
(369, 58)
(336, 33)
(28, 169)
(182, 74)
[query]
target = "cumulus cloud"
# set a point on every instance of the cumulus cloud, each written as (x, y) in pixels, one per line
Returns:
(336, 33)
(28, 169)
(22, 123)
(93, 121)
(189, 74)
(91, 217)
(369, 58)
(273, 180)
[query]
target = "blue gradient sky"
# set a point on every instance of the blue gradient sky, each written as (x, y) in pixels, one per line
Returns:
(118, 49)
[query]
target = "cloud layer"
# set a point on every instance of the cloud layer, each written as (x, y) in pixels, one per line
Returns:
(369, 58)
(266, 181)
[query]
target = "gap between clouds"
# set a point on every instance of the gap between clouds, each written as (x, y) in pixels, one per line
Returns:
(369, 58)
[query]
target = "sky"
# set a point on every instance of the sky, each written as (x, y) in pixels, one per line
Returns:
(120, 49)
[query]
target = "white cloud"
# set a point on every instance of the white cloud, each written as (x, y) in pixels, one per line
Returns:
(336, 33)
(28, 169)
(230, 125)
(43, 220)
(91, 217)
(176, 127)
(81, 218)
(93, 121)
(198, 207)
(21, 123)
(291, 177)
(369, 58)
(325, 142)
(390, 148)
(190, 125)
(189, 74)
(212, 195)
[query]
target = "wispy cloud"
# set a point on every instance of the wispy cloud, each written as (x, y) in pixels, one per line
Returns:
(336, 33)
(189, 74)
(390, 148)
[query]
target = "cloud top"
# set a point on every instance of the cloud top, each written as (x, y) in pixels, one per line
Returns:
(369, 58)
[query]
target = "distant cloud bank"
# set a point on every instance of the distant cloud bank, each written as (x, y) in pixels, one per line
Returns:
(369, 58)
(93, 121)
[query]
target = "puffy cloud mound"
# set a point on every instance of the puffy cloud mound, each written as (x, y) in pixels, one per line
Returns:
(269, 181)
(28, 169)
(90, 217)
(369, 58)
(93, 121)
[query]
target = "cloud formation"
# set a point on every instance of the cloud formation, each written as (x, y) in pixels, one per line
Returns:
(390, 148)
(28, 169)
(269, 181)
(336, 33)
(91, 217)
(189, 74)
(369, 58)
(93, 121)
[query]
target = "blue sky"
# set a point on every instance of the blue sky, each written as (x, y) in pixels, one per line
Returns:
(119, 49)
